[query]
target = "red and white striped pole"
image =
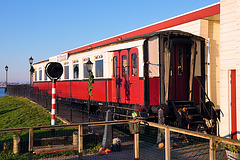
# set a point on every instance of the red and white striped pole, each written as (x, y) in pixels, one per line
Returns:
(54, 71)
(53, 102)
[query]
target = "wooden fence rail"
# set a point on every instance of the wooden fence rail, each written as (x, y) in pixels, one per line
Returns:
(212, 139)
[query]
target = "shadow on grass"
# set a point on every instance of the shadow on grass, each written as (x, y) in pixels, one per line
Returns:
(8, 110)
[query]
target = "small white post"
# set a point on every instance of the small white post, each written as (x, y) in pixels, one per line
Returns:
(75, 138)
(16, 143)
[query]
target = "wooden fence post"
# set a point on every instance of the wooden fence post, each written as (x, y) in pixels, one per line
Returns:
(30, 146)
(136, 144)
(16, 143)
(212, 149)
(80, 142)
(167, 144)
(75, 138)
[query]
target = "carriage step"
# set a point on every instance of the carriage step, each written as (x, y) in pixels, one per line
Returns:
(196, 115)
(181, 102)
(188, 108)
(197, 122)
(122, 115)
(123, 108)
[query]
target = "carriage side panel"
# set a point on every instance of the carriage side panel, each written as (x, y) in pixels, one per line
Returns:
(153, 91)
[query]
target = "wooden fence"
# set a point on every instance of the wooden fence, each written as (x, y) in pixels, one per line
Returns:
(168, 129)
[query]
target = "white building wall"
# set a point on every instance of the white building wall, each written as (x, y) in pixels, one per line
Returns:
(238, 62)
(213, 79)
(191, 27)
(229, 59)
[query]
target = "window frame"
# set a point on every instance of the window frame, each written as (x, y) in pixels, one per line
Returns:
(115, 66)
(76, 63)
(40, 74)
(99, 58)
(180, 63)
(85, 60)
(35, 76)
(124, 68)
(134, 73)
(66, 64)
(45, 76)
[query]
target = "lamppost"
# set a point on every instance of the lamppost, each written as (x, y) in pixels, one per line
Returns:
(89, 66)
(6, 68)
(31, 70)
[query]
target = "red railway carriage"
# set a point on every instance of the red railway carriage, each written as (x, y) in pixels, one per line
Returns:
(149, 70)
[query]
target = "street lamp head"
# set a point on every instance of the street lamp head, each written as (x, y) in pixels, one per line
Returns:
(31, 60)
(89, 65)
(6, 68)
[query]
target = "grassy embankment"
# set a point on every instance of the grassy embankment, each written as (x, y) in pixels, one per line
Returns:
(18, 112)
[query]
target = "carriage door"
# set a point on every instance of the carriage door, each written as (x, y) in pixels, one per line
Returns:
(134, 76)
(178, 73)
(121, 85)
(116, 78)
(124, 76)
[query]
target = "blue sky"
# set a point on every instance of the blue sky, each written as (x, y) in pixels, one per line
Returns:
(45, 28)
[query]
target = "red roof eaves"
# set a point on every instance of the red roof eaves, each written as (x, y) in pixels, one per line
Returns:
(199, 14)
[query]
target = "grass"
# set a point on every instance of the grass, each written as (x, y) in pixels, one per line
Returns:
(18, 112)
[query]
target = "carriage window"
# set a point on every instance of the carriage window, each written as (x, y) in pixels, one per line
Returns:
(75, 71)
(35, 75)
(134, 64)
(124, 65)
(115, 66)
(66, 72)
(45, 76)
(180, 61)
(85, 72)
(99, 68)
(40, 75)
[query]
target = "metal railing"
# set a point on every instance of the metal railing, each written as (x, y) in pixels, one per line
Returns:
(212, 107)
(206, 96)
(180, 124)
(68, 109)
